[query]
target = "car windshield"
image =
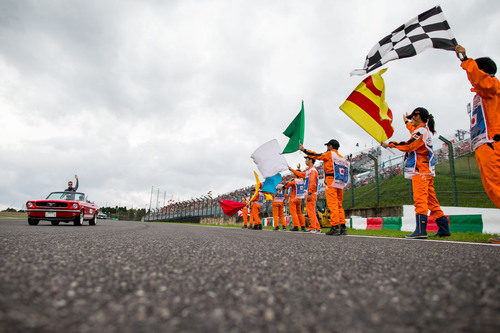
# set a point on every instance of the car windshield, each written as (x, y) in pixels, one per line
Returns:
(73, 196)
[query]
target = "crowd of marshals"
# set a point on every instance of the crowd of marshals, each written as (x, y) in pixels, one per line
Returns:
(419, 163)
(304, 186)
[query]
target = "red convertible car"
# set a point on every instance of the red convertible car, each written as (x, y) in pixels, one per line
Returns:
(62, 207)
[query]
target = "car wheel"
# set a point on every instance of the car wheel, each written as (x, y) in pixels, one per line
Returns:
(33, 221)
(93, 220)
(79, 219)
(54, 222)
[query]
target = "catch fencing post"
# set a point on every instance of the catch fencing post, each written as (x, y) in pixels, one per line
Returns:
(352, 188)
(410, 192)
(375, 160)
(451, 158)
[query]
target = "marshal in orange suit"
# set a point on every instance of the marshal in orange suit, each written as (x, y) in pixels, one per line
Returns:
(311, 182)
(485, 120)
(333, 185)
(419, 167)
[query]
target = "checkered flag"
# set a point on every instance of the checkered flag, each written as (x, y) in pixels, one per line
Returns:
(428, 30)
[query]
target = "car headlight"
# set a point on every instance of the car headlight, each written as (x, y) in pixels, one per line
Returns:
(29, 204)
(75, 206)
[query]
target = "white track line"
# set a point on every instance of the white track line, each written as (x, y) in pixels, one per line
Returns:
(427, 240)
(324, 234)
(382, 237)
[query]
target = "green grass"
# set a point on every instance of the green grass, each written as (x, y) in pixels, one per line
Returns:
(474, 237)
(13, 215)
(395, 191)
(471, 237)
(210, 225)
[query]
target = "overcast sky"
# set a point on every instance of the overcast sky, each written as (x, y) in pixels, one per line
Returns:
(178, 94)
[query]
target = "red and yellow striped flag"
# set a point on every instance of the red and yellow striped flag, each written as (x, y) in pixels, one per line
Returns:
(367, 107)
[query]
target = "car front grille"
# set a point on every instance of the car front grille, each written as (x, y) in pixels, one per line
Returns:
(52, 204)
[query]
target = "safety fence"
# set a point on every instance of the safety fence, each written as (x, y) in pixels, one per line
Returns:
(374, 182)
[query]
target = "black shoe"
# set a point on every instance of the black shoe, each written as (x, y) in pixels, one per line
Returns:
(295, 229)
(260, 226)
(244, 227)
(343, 230)
(284, 228)
(303, 229)
(255, 227)
(276, 229)
(443, 227)
(420, 229)
(334, 231)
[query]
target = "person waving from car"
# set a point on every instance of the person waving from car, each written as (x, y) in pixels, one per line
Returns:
(70, 185)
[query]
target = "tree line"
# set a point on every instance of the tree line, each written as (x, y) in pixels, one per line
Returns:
(123, 213)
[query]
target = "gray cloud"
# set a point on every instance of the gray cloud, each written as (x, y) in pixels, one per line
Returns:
(178, 94)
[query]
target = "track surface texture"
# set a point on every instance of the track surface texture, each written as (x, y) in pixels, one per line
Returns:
(155, 277)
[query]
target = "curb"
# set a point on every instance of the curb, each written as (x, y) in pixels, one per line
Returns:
(461, 219)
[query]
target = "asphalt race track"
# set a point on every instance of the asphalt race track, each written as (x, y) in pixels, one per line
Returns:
(155, 277)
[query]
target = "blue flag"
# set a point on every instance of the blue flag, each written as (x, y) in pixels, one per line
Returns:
(270, 183)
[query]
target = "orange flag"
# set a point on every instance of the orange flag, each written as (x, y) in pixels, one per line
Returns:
(367, 107)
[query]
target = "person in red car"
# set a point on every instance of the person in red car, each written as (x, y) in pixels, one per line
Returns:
(70, 185)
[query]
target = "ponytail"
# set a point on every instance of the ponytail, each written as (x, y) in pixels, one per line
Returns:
(426, 117)
(431, 124)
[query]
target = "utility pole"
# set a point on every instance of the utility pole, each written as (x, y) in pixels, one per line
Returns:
(375, 160)
(151, 199)
(157, 198)
(451, 158)
(164, 197)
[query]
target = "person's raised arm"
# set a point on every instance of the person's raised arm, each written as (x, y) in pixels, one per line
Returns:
(310, 153)
(484, 84)
(298, 173)
(406, 146)
(408, 123)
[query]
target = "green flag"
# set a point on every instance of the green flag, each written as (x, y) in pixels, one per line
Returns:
(295, 131)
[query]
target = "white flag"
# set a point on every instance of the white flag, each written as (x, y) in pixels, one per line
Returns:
(269, 159)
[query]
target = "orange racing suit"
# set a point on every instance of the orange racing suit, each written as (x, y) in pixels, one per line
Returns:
(419, 167)
(485, 127)
(255, 209)
(311, 177)
(278, 215)
(334, 192)
(244, 213)
(295, 205)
